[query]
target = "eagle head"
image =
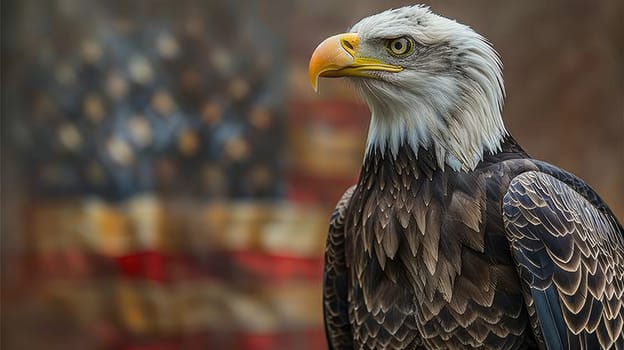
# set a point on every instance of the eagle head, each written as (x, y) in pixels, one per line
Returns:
(429, 82)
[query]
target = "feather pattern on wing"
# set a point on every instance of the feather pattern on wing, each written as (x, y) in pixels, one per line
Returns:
(570, 251)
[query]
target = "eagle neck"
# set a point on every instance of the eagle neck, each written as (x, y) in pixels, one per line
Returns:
(431, 130)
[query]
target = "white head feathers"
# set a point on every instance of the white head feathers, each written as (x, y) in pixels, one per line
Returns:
(449, 95)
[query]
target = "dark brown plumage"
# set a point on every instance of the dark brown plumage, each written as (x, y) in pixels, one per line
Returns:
(420, 257)
(570, 253)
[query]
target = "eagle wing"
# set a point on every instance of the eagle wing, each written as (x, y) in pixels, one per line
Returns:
(335, 297)
(569, 248)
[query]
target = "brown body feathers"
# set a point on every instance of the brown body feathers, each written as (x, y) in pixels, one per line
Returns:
(515, 254)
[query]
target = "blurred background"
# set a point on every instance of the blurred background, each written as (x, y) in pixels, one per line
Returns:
(168, 173)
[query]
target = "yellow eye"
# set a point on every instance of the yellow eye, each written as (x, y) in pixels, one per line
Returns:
(400, 47)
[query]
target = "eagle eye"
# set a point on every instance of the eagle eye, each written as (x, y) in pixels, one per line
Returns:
(400, 47)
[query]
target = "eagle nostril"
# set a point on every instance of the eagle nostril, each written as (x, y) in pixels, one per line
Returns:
(347, 44)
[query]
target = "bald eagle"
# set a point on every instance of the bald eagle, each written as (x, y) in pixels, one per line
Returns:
(453, 237)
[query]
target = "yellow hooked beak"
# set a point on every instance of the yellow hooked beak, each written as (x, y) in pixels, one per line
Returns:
(337, 56)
